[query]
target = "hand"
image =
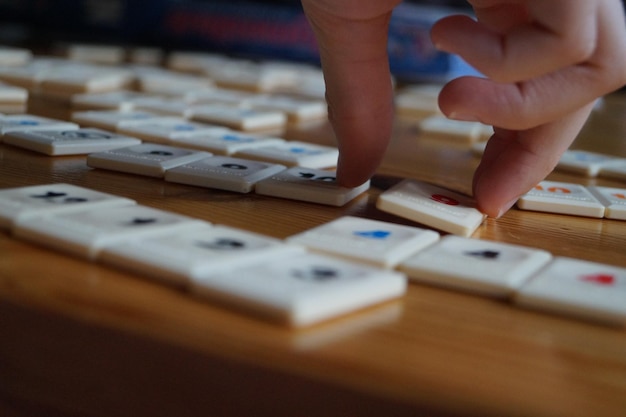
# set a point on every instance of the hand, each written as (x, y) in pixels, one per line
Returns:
(545, 63)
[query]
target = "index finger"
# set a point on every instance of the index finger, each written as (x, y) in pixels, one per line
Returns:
(352, 38)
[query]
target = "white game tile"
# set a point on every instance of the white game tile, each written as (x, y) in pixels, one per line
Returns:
(86, 232)
(614, 199)
(69, 142)
(562, 198)
(24, 203)
(111, 119)
(166, 129)
(374, 242)
(294, 153)
(585, 162)
(239, 118)
(296, 109)
(123, 101)
(432, 206)
(479, 266)
(312, 185)
(24, 122)
(615, 170)
(580, 289)
(223, 172)
(302, 289)
(226, 142)
(440, 127)
(145, 159)
(178, 257)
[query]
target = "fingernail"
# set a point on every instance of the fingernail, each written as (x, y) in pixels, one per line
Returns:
(463, 117)
(505, 207)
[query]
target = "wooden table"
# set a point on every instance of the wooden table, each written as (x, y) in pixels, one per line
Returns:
(81, 339)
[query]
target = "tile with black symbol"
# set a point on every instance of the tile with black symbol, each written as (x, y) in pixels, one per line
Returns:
(239, 118)
(294, 153)
(166, 129)
(86, 233)
(24, 203)
(69, 142)
(147, 159)
(302, 289)
(440, 127)
(613, 199)
(374, 242)
(615, 170)
(562, 198)
(111, 119)
(432, 206)
(26, 122)
(578, 289)
(585, 162)
(176, 257)
(311, 185)
(224, 173)
(225, 142)
(483, 267)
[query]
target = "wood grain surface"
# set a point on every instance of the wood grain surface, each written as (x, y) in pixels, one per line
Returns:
(78, 338)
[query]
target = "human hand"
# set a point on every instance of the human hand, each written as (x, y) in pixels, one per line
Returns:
(545, 62)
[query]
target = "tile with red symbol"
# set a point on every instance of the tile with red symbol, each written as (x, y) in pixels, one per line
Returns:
(432, 206)
(577, 288)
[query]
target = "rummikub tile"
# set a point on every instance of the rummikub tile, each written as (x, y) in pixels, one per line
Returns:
(123, 101)
(433, 206)
(24, 122)
(312, 185)
(111, 119)
(223, 172)
(302, 289)
(479, 266)
(614, 199)
(170, 82)
(440, 127)
(414, 105)
(178, 257)
(563, 198)
(10, 94)
(166, 106)
(97, 54)
(584, 162)
(579, 289)
(146, 159)
(375, 242)
(70, 80)
(145, 56)
(225, 142)
(85, 233)
(166, 129)
(239, 118)
(294, 153)
(296, 109)
(69, 142)
(24, 203)
(12, 56)
(225, 96)
(615, 170)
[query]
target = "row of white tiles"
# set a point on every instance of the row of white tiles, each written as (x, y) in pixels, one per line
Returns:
(324, 272)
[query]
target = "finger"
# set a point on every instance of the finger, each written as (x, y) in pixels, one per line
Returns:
(352, 38)
(561, 32)
(518, 106)
(514, 162)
